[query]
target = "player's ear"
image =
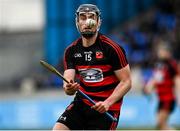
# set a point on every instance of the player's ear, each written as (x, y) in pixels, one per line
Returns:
(77, 23)
(77, 19)
(99, 24)
(100, 21)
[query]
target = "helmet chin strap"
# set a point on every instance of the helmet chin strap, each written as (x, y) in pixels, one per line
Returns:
(88, 34)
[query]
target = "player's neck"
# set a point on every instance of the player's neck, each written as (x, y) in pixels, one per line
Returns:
(89, 41)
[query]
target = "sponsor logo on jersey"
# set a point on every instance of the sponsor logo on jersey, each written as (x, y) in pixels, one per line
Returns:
(77, 55)
(99, 54)
(63, 118)
(91, 75)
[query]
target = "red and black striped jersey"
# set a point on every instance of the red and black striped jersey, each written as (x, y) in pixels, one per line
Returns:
(95, 66)
(164, 74)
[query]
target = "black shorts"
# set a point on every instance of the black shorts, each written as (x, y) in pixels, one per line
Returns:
(167, 105)
(79, 116)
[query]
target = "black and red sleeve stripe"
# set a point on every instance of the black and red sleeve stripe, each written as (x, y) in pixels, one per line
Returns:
(68, 56)
(118, 56)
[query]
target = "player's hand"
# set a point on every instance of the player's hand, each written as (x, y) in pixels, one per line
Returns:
(146, 91)
(71, 87)
(101, 106)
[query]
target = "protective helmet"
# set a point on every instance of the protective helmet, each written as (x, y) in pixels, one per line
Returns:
(88, 8)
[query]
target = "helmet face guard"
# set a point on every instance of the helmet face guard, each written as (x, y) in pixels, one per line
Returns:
(87, 8)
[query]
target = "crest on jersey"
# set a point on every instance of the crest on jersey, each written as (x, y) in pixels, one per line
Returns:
(99, 55)
(91, 75)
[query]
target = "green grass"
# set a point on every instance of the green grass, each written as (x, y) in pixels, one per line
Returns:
(144, 128)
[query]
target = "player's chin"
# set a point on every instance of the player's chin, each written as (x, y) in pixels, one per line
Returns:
(87, 30)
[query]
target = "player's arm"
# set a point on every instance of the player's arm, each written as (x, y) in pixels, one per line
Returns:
(69, 73)
(148, 88)
(72, 87)
(177, 88)
(177, 84)
(121, 69)
(123, 87)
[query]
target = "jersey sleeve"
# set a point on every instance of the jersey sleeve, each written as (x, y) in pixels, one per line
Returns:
(118, 57)
(174, 68)
(68, 59)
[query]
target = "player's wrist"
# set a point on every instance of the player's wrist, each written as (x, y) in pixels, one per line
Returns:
(109, 102)
(70, 93)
